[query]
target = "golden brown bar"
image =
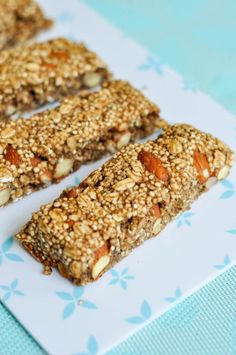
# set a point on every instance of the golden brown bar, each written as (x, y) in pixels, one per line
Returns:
(131, 198)
(19, 21)
(50, 145)
(35, 74)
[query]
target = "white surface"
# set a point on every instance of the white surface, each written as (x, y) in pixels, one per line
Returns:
(183, 257)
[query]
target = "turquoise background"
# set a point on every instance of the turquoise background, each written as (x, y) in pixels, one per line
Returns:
(198, 39)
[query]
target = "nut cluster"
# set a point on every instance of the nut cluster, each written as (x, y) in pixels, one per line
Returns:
(34, 74)
(19, 21)
(129, 199)
(48, 146)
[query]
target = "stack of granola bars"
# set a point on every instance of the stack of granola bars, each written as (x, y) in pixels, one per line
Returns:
(133, 196)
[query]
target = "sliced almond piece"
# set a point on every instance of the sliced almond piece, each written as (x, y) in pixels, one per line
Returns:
(211, 182)
(156, 211)
(153, 164)
(219, 159)
(157, 226)
(124, 140)
(100, 265)
(4, 196)
(6, 175)
(63, 168)
(7, 133)
(12, 155)
(201, 164)
(223, 172)
(102, 259)
(92, 80)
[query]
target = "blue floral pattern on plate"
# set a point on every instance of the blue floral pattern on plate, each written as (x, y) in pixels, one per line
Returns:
(5, 251)
(73, 301)
(153, 64)
(176, 297)
(121, 278)
(226, 262)
(11, 290)
(184, 219)
(232, 231)
(92, 347)
(145, 314)
(229, 189)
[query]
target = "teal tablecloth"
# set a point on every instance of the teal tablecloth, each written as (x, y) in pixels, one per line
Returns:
(203, 324)
(198, 39)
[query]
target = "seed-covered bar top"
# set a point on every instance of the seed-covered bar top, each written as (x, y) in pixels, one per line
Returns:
(34, 74)
(19, 21)
(129, 199)
(50, 145)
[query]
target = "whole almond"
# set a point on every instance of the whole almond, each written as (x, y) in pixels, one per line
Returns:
(92, 80)
(63, 168)
(11, 155)
(156, 211)
(153, 164)
(101, 260)
(201, 164)
(100, 265)
(4, 196)
(59, 55)
(223, 172)
(103, 250)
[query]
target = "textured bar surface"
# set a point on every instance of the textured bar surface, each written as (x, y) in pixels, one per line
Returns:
(129, 199)
(35, 74)
(19, 21)
(50, 145)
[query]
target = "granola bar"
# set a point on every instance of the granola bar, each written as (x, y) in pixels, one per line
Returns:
(50, 145)
(131, 198)
(19, 21)
(32, 75)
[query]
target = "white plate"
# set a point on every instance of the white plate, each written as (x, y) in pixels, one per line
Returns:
(190, 252)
